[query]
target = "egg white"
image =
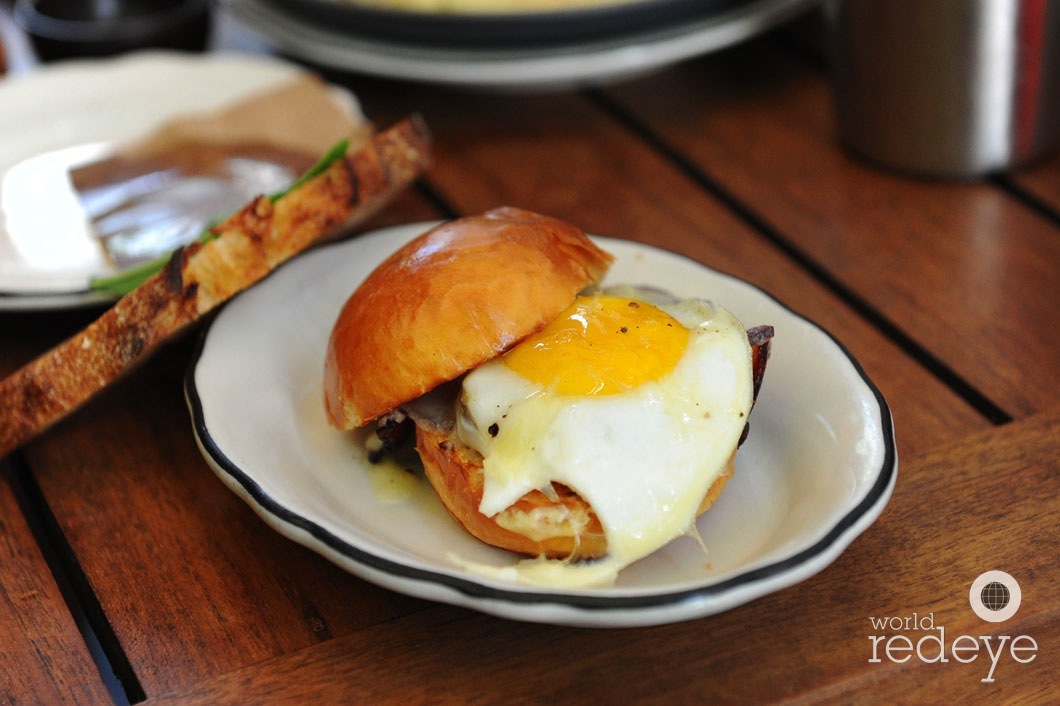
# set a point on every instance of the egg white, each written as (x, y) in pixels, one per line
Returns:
(642, 459)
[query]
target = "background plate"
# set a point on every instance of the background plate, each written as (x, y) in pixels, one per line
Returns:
(817, 469)
(68, 107)
(589, 22)
(524, 65)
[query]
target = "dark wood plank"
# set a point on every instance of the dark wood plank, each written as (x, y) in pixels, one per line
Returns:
(1042, 180)
(26, 334)
(193, 582)
(997, 492)
(561, 155)
(943, 261)
(990, 503)
(43, 658)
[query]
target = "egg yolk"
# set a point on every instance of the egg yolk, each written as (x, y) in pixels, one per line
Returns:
(601, 345)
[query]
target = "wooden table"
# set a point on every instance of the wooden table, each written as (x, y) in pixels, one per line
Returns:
(129, 573)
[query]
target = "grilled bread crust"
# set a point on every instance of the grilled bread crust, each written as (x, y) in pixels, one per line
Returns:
(248, 246)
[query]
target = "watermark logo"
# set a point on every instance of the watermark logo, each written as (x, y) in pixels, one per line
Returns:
(994, 596)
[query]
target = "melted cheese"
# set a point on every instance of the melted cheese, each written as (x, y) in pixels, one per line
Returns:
(641, 453)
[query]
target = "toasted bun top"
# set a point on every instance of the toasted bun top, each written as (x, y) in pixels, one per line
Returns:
(449, 300)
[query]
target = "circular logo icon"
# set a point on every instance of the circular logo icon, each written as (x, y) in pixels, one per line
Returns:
(995, 596)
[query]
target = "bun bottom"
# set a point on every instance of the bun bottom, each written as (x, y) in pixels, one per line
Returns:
(557, 525)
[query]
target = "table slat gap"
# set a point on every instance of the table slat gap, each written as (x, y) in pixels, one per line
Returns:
(1039, 206)
(977, 399)
(103, 645)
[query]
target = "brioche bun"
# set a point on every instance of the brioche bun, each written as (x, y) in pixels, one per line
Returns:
(449, 300)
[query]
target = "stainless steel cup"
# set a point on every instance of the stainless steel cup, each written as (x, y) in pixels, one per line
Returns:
(947, 88)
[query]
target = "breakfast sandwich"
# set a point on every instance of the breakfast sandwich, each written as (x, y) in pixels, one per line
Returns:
(582, 426)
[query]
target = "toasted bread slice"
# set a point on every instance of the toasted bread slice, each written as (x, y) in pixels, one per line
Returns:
(247, 247)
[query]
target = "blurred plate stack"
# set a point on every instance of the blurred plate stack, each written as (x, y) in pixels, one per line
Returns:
(592, 43)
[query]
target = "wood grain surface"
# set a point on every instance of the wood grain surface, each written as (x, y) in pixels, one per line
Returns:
(130, 574)
(781, 647)
(43, 658)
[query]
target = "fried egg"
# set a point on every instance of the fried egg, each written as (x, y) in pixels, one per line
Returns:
(636, 406)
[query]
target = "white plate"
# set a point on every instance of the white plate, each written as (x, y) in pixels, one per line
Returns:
(817, 469)
(523, 67)
(68, 113)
